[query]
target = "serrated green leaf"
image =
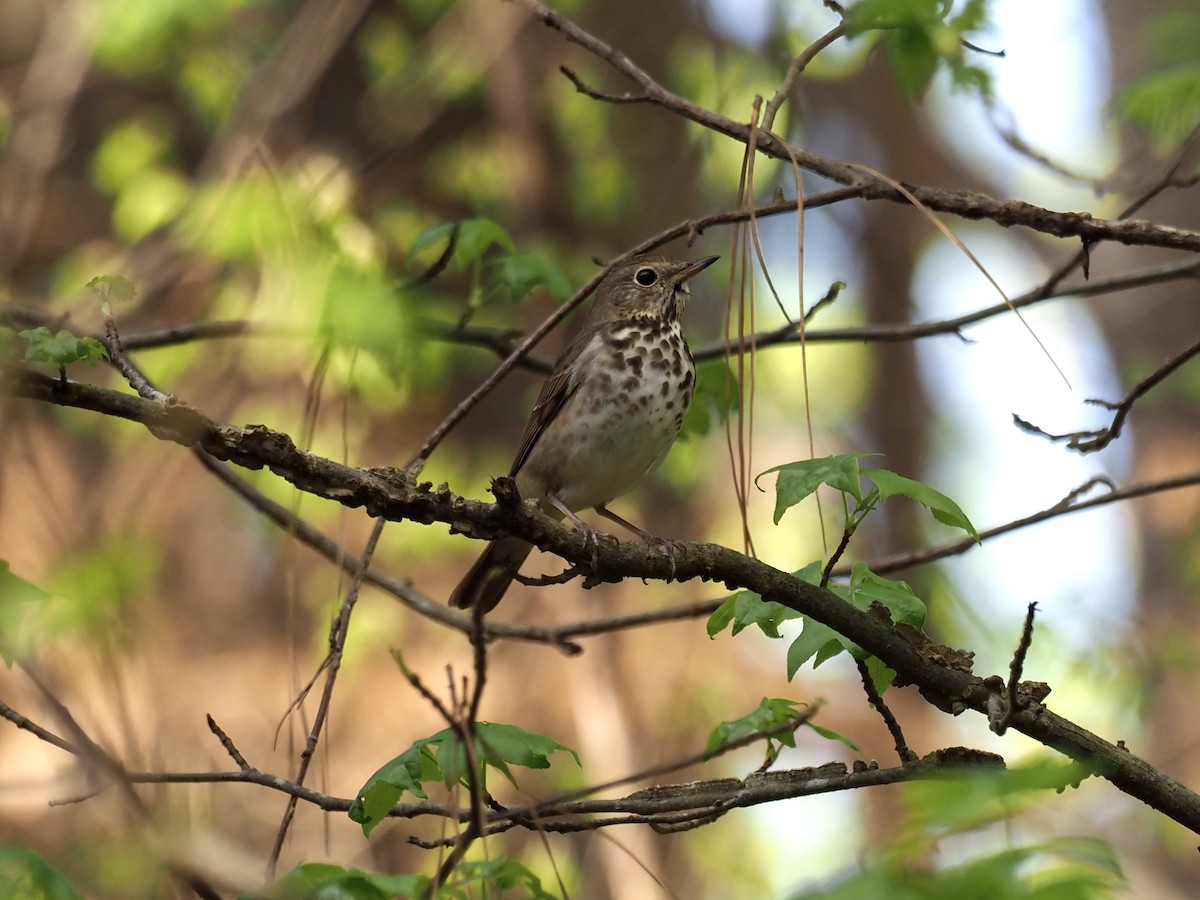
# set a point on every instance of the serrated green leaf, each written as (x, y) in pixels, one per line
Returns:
(407, 772)
(834, 648)
(815, 638)
(441, 757)
(881, 674)
(798, 480)
(942, 507)
(517, 746)
(747, 608)
(866, 588)
(61, 349)
(770, 714)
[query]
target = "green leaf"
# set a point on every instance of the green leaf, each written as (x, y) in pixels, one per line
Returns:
(873, 15)
(501, 874)
(881, 674)
(441, 757)
(913, 58)
(1165, 106)
(16, 595)
(919, 36)
(966, 800)
(510, 744)
(25, 875)
(821, 643)
(943, 508)
(113, 287)
(435, 235)
(747, 608)
(324, 881)
(475, 236)
(866, 588)
(407, 772)
(520, 273)
(715, 398)
(831, 735)
(772, 713)
(61, 349)
(816, 639)
(798, 480)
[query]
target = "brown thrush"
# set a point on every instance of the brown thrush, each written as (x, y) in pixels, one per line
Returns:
(607, 415)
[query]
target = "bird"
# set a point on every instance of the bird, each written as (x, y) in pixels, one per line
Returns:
(608, 413)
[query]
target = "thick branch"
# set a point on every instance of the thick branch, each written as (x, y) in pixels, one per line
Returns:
(942, 675)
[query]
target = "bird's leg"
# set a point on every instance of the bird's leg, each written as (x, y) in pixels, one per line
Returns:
(665, 545)
(591, 537)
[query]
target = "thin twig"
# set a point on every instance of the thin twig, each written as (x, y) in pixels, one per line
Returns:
(228, 744)
(337, 642)
(893, 725)
(967, 204)
(798, 65)
(1098, 439)
(1012, 702)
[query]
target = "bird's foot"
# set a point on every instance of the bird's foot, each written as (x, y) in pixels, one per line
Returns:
(668, 548)
(591, 541)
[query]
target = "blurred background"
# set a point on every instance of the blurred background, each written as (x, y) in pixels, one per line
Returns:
(283, 163)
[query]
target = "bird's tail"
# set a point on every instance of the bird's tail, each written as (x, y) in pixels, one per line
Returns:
(484, 585)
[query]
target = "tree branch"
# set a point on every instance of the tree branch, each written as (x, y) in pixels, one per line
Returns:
(942, 675)
(965, 204)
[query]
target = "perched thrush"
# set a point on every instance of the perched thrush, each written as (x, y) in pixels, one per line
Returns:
(607, 415)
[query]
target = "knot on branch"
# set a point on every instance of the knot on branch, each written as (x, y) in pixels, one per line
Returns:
(263, 445)
(505, 491)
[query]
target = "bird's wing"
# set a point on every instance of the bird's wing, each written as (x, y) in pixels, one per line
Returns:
(561, 383)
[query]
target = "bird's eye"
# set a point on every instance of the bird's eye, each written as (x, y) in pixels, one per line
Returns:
(645, 277)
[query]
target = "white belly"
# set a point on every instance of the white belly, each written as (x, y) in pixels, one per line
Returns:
(618, 429)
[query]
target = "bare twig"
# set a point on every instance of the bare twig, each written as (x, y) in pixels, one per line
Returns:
(401, 590)
(1000, 718)
(337, 642)
(228, 744)
(1098, 439)
(798, 65)
(967, 204)
(893, 725)
(116, 354)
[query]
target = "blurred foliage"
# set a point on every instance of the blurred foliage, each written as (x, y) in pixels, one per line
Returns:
(1165, 103)
(425, 138)
(964, 804)
(922, 36)
(61, 349)
(26, 875)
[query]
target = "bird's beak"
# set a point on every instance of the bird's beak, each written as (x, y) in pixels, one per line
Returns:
(695, 268)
